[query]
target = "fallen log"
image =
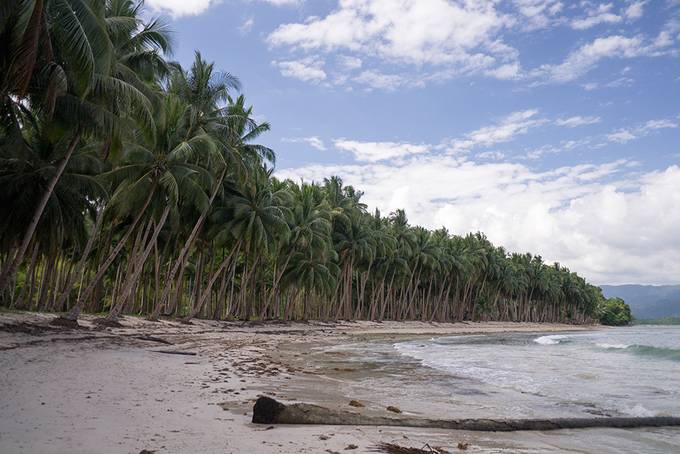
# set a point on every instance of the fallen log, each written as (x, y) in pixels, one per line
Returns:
(270, 411)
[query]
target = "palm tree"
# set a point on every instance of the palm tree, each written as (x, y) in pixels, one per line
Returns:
(160, 169)
(85, 92)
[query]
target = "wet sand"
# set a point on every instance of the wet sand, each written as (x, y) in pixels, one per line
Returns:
(112, 390)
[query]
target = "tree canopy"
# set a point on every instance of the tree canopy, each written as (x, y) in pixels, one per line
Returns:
(614, 312)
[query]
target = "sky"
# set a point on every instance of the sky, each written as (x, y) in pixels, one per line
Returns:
(551, 126)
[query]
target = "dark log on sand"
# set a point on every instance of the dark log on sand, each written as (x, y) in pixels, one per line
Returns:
(269, 411)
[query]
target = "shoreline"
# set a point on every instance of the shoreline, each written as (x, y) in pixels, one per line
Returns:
(114, 390)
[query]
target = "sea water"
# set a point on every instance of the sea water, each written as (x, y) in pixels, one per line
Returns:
(630, 371)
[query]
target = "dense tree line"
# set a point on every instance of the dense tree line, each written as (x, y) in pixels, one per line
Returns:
(132, 185)
(614, 312)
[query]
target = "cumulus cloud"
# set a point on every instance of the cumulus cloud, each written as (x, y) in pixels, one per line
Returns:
(313, 141)
(308, 69)
(538, 13)
(380, 151)
(349, 63)
(600, 220)
(511, 126)
(436, 34)
(178, 8)
(415, 31)
(411, 43)
(635, 10)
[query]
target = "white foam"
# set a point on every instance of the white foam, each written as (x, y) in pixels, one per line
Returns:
(639, 411)
(617, 346)
(550, 340)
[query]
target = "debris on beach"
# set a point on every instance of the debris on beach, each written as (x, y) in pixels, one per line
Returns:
(391, 448)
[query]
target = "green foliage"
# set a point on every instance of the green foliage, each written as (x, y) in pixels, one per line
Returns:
(614, 312)
(167, 205)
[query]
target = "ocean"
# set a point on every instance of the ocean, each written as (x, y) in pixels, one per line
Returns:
(630, 371)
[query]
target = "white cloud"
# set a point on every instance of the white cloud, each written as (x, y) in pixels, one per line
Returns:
(507, 71)
(621, 136)
(381, 81)
(601, 14)
(635, 10)
(308, 69)
(439, 38)
(247, 25)
(380, 151)
(564, 145)
(626, 135)
(313, 141)
(538, 13)
(414, 31)
(349, 63)
(506, 130)
(283, 2)
(491, 155)
(599, 220)
(586, 58)
(178, 8)
(573, 122)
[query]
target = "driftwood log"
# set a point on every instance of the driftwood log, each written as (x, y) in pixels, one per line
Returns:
(269, 411)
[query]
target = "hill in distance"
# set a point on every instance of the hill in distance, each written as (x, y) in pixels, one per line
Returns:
(647, 301)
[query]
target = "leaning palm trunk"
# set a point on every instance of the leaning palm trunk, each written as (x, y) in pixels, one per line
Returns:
(138, 268)
(85, 296)
(183, 255)
(198, 307)
(13, 263)
(83, 260)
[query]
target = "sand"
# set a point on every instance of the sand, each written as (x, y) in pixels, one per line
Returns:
(112, 390)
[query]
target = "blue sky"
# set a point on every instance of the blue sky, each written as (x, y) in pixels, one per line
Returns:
(551, 126)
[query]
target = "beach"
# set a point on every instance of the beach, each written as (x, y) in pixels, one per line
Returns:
(168, 387)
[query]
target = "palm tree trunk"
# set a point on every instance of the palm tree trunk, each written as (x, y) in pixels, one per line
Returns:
(85, 296)
(12, 264)
(81, 264)
(211, 281)
(187, 245)
(138, 267)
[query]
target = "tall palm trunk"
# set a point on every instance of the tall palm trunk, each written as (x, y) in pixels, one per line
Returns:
(10, 268)
(75, 311)
(81, 263)
(181, 259)
(138, 267)
(198, 307)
